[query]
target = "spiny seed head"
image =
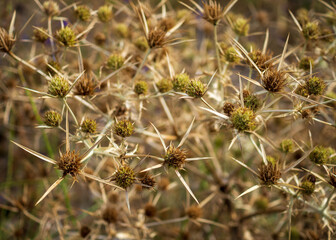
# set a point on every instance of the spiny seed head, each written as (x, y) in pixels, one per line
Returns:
(274, 80)
(110, 214)
(40, 35)
(251, 101)
(7, 41)
(148, 180)
(122, 30)
(228, 108)
(55, 65)
(123, 128)
(315, 86)
(150, 210)
(70, 163)
(180, 82)
(51, 8)
(263, 61)
(89, 126)
(196, 88)
(124, 177)
(194, 212)
(141, 87)
(269, 174)
(305, 63)
(320, 155)
(241, 26)
(58, 86)
(164, 85)
(287, 146)
(52, 118)
(105, 13)
(141, 43)
(115, 61)
(310, 31)
(100, 38)
(175, 157)
(243, 119)
(302, 91)
(83, 13)
(212, 11)
(231, 55)
(86, 86)
(308, 184)
(156, 38)
(66, 36)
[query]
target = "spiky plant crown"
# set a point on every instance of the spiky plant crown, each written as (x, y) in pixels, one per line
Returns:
(141, 87)
(69, 163)
(273, 80)
(164, 85)
(51, 8)
(7, 41)
(86, 86)
(241, 26)
(287, 146)
(315, 86)
(40, 34)
(156, 38)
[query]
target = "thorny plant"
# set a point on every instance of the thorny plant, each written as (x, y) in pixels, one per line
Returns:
(246, 103)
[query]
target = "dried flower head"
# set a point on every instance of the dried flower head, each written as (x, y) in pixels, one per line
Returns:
(58, 86)
(241, 26)
(150, 210)
(308, 184)
(51, 8)
(83, 13)
(66, 36)
(287, 146)
(89, 126)
(263, 61)
(69, 163)
(310, 30)
(274, 80)
(105, 13)
(124, 177)
(269, 174)
(196, 88)
(40, 35)
(320, 155)
(164, 85)
(7, 41)
(86, 86)
(115, 61)
(110, 214)
(228, 108)
(251, 101)
(147, 180)
(243, 119)
(212, 11)
(180, 82)
(123, 128)
(194, 212)
(305, 63)
(315, 86)
(52, 118)
(175, 157)
(141, 87)
(156, 38)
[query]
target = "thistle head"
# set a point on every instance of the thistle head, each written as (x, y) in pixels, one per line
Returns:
(315, 86)
(58, 86)
(164, 85)
(196, 88)
(156, 38)
(175, 157)
(251, 101)
(83, 13)
(141, 43)
(147, 180)
(86, 86)
(274, 80)
(69, 163)
(320, 155)
(194, 212)
(124, 177)
(269, 174)
(105, 13)
(66, 36)
(212, 11)
(241, 26)
(40, 35)
(141, 87)
(308, 184)
(287, 146)
(123, 128)
(305, 63)
(52, 118)
(243, 119)
(180, 82)
(89, 126)
(122, 30)
(310, 30)
(228, 108)
(51, 8)
(231, 55)
(115, 61)
(7, 40)
(263, 61)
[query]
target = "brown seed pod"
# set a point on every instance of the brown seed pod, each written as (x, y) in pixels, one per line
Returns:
(7, 41)
(86, 86)
(213, 11)
(175, 157)
(147, 180)
(156, 38)
(69, 163)
(269, 174)
(274, 80)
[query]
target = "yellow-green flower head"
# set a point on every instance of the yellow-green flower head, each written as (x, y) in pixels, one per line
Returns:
(52, 118)
(141, 43)
(58, 86)
(315, 86)
(310, 30)
(124, 177)
(40, 35)
(164, 85)
(180, 82)
(287, 146)
(66, 36)
(196, 89)
(305, 63)
(141, 87)
(115, 61)
(320, 155)
(83, 13)
(89, 126)
(51, 8)
(105, 13)
(122, 30)
(175, 157)
(243, 119)
(241, 26)
(123, 128)
(231, 55)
